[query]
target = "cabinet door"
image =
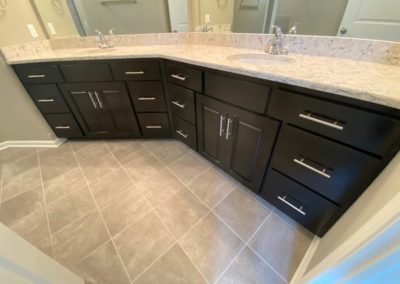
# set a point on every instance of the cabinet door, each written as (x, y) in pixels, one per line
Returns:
(250, 138)
(114, 100)
(86, 109)
(211, 118)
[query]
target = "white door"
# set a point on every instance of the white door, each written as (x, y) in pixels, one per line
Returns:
(375, 19)
(178, 15)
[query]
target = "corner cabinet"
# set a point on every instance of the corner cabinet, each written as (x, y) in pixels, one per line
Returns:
(310, 154)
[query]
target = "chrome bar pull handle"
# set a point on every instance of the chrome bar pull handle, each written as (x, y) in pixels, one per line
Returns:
(92, 99)
(36, 76)
(228, 128)
(302, 163)
(179, 77)
(79, 93)
(180, 132)
(134, 73)
(98, 99)
(283, 199)
(221, 125)
(147, 98)
(153, 126)
(63, 127)
(111, 92)
(45, 101)
(309, 117)
(178, 104)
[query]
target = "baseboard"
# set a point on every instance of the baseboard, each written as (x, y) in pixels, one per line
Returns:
(301, 270)
(32, 144)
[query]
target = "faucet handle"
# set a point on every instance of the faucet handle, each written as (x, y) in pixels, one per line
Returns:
(278, 30)
(111, 31)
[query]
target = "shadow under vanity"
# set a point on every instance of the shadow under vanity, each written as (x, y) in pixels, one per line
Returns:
(309, 153)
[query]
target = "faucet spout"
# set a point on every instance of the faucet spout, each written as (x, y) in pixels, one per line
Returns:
(275, 43)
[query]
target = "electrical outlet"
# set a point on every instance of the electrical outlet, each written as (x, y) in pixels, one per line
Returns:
(51, 28)
(32, 30)
(207, 18)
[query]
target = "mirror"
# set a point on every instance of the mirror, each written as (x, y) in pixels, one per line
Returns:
(348, 18)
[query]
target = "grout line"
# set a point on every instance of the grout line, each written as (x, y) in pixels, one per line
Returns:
(45, 206)
(102, 218)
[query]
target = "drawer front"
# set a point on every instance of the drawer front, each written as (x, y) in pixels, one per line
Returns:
(64, 125)
(333, 170)
(148, 96)
(86, 72)
(185, 132)
(35, 73)
(371, 132)
(181, 102)
(154, 125)
(133, 71)
(245, 94)
(184, 76)
(307, 208)
(48, 98)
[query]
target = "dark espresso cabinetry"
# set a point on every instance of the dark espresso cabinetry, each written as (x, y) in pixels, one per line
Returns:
(310, 154)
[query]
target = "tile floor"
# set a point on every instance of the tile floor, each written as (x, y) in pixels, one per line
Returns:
(145, 212)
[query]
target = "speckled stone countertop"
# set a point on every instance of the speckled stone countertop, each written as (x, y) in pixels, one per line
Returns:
(363, 80)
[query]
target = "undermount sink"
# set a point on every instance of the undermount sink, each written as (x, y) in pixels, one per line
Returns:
(252, 58)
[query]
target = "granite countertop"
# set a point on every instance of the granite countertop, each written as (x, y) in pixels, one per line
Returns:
(367, 81)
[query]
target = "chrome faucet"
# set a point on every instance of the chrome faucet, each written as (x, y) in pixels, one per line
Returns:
(206, 28)
(275, 43)
(103, 41)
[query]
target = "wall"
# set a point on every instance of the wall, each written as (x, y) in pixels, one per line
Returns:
(250, 20)
(219, 14)
(19, 118)
(315, 17)
(379, 193)
(58, 15)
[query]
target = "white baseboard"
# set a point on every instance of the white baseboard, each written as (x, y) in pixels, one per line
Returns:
(32, 144)
(301, 270)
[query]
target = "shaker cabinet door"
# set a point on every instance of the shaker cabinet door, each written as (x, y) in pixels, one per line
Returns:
(250, 138)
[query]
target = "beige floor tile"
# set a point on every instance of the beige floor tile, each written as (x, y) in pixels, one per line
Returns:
(14, 154)
(64, 184)
(100, 167)
(16, 167)
(281, 245)
(142, 243)
(21, 183)
(211, 246)
(248, 268)
(188, 168)
(110, 185)
(21, 205)
(126, 151)
(103, 266)
(160, 187)
(143, 167)
(152, 145)
(212, 187)
(242, 213)
(57, 166)
(91, 152)
(79, 239)
(174, 267)
(124, 210)
(170, 152)
(181, 212)
(48, 154)
(34, 229)
(77, 145)
(65, 210)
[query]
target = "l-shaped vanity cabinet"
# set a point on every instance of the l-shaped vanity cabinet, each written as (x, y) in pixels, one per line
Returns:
(311, 154)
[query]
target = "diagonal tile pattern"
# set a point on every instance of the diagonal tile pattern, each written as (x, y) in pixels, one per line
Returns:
(136, 211)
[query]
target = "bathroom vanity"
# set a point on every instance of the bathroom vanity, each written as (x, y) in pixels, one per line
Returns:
(309, 151)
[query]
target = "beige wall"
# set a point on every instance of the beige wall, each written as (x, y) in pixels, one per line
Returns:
(222, 14)
(19, 118)
(59, 15)
(379, 193)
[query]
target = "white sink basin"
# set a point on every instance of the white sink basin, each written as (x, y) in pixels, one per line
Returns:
(258, 59)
